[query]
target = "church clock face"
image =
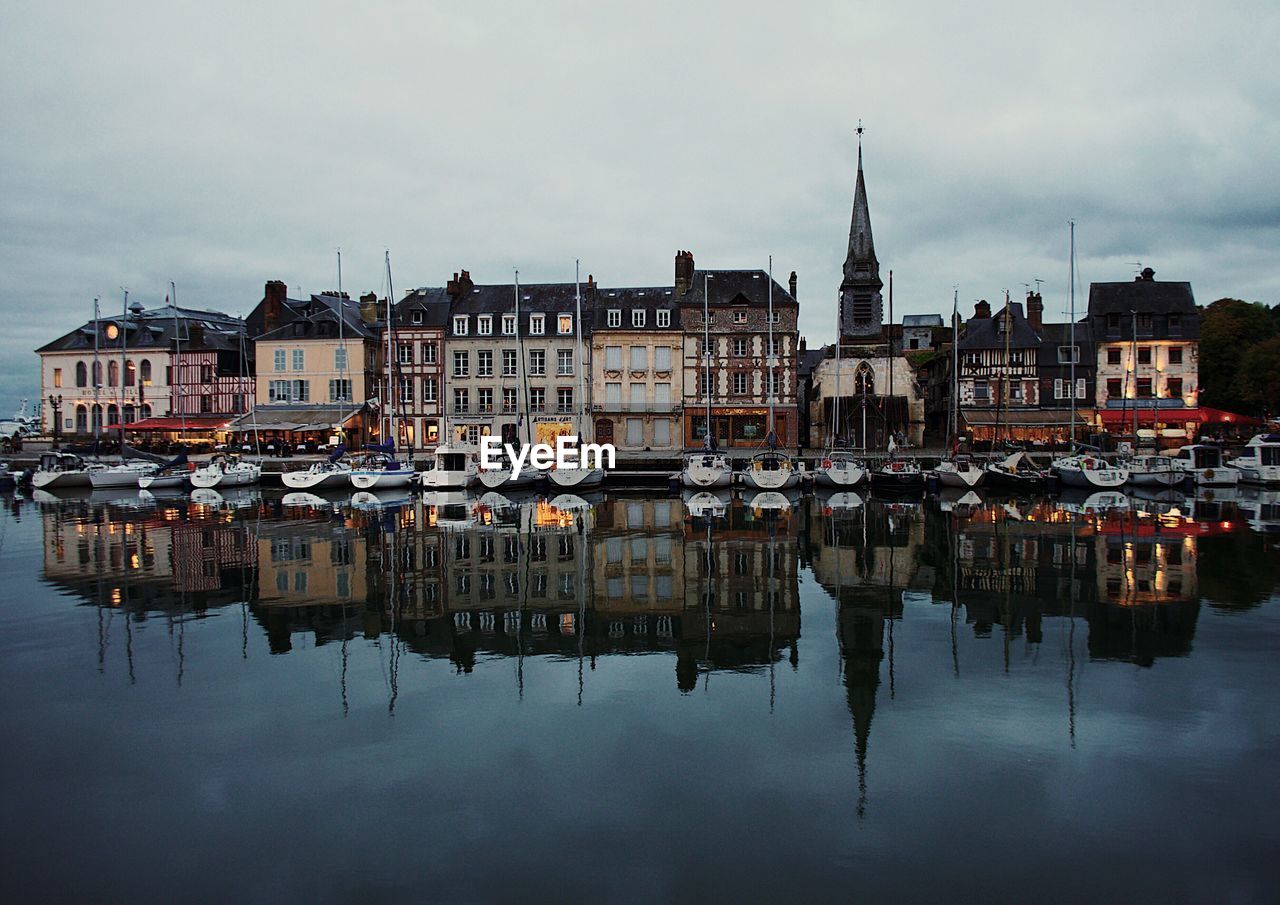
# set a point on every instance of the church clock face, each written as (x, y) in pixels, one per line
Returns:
(112, 331)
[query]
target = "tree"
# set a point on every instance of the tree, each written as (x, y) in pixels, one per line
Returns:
(1228, 329)
(1258, 380)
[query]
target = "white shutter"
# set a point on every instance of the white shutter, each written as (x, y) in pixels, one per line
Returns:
(1057, 388)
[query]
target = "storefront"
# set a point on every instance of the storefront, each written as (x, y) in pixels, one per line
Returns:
(312, 425)
(1025, 426)
(744, 427)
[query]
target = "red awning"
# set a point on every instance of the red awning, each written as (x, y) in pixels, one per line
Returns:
(1174, 416)
(192, 423)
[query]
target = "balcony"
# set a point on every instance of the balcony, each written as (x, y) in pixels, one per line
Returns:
(662, 408)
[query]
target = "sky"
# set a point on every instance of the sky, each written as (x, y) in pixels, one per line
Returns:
(221, 145)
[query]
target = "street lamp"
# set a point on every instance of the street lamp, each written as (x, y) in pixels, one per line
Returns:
(55, 403)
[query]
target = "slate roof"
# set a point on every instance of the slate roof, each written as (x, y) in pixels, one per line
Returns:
(811, 358)
(1145, 295)
(984, 332)
(922, 320)
(647, 298)
(735, 287)
(432, 302)
(1055, 335)
(154, 329)
(317, 318)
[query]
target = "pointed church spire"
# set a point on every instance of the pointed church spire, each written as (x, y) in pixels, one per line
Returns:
(860, 304)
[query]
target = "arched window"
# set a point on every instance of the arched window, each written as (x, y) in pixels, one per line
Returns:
(113, 414)
(145, 410)
(130, 414)
(864, 380)
(96, 414)
(82, 416)
(113, 373)
(130, 374)
(146, 372)
(97, 374)
(82, 374)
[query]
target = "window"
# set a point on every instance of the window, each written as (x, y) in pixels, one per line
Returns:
(1113, 323)
(537, 399)
(739, 346)
(415, 316)
(1080, 388)
(508, 325)
(113, 374)
(1113, 356)
(430, 389)
(429, 353)
(1144, 355)
(97, 374)
(662, 432)
(564, 362)
(774, 382)
(509, 400)
(635, 437)
(1175, 355)
(537, 362)
(915, 343)
(739, 317)
(663, 317)
(288, 391)
(662, 358)
(484, 325)
(614, 317)
(340, 358)
(704, 384)
(637, 317)
(461, 401)
(461, 364)
(1057, 388)
(484, 400)
(459, 325)
(708, 347)
(739, 382)
(613, 394)
(1144, 324)
(775, 346)
(57, 377)
(775, 318)
(339, 390)
(1115, 387)
(564, 400)
(406, 389)
(981, 392)
(1015, 358)
(1144, 387)
(509, 362)
(279, 360)
(404, 353)
(564, 324)
(299, 360)
(145, 373)
(1174, 386)
(484, 363)
(1175, 324)
(639, 358)
(637, 395)
(662, 393)
(613, 358)
(537, 324)
(206, 373)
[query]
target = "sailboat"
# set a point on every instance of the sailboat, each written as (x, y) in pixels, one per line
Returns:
(771, 470)
(584, 475)
(838, 468)
(895, 474)
(226, 471)
(381, 469)
(958, 471)
(60, 470)
(708, 467)
(333, 472)
(126, 474)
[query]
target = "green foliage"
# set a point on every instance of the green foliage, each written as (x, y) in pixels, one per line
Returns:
(1229, 328)
(1258, 381)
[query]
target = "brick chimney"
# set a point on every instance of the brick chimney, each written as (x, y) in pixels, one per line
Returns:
(369, 308)
(273, 299)
(684, 272)
(1147, 276)
(791, 283)
(982, 310)
(1035, 311)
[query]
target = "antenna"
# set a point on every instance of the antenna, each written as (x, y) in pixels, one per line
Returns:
(1137, 266)
(1037, 281)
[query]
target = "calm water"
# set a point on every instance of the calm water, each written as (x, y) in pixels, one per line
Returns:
(256, 698)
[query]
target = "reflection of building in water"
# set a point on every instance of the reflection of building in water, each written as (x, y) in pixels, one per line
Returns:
(638, 551)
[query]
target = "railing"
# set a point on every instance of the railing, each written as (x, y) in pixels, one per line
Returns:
(664, 408)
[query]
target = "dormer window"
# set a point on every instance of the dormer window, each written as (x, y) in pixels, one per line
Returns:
(537, 324)
(637, 317)
(664, 317)
(508, 325)
(460, 325)
(484, 325)
(564, 324)
(739, 317)
(416, 316)
(615, 317)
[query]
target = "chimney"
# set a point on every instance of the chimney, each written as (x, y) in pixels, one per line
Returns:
(369, 308)
(273, 298)
(195, 335)
(1035, 311)
(684, 272)
(792, 284)
(982, 310)
(1148, 276)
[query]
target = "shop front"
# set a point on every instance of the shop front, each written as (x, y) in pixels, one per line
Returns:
(742, 427)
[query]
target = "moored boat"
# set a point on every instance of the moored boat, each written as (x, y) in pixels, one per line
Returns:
(898, 476)
(1089, 471)
(706, 469)
(840, 469)
(448, 468)
(59, 470)
(960, 472)
(1205, 465)
(226, 471)
(124, 475)
(1154, 471)
(771, 471)
(380, 471)
(1015, 472)
(1260, 461)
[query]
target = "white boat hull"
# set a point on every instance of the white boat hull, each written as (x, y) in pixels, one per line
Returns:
(442, 479)
(1155, 478)
(315, 480)
(55, 480)
(836, 476)
(961, 479)
(381, 479)
(116, 477)
(176, 481)
(1221, 476)
(1092, 478)
(501, 477)
(703, 477)
(576, 477)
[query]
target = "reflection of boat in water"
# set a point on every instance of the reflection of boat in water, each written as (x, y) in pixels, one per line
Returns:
(451, 509)
(302, 499)
(770, 501)
(569, 502)
(1073, 500)
(1261, 509)
(841, 501)
(961, 502)
(229, 498)
(706, 504)
(390, 498)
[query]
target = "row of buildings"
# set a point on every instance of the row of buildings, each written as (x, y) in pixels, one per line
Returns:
(643, 368)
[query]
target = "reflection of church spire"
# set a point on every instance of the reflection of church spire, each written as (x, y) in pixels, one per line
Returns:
(861, 633)
(861, 311)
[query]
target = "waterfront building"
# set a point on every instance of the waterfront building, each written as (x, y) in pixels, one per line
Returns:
(420, 320)
(182, 368)
(919, 332)
(745, 373)
(636, 369)
(1147, 334)
(316, 358)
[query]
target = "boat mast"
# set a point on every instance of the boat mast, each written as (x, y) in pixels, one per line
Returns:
(177, 358)
(392, 423)
(833, 430)
(97, 373)
(124, 333)
(953, 399)
(706, 353)
(521, 373)
(769, 356)
(1004, 389)
(582, 356)
(1072, 333)
(889, 397)
(1134, 358)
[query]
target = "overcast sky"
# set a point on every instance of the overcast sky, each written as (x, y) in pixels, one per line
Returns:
(221, 145)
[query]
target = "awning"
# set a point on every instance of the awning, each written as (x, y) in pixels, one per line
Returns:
(1219, 416)
(1025, 418)
(296, 418)
(192, 423)
(1124, 418)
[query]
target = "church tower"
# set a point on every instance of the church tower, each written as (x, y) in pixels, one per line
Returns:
(861, 308)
